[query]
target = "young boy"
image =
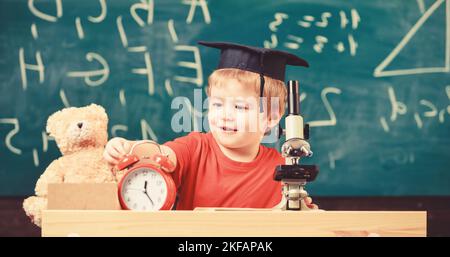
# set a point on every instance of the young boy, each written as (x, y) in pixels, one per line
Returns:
(228, 166)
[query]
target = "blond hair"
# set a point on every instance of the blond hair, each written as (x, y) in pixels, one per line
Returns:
(272, 87)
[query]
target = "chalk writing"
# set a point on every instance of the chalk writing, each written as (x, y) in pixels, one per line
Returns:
(294, 41)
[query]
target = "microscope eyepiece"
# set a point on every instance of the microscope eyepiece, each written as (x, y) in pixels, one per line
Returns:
(293, 104)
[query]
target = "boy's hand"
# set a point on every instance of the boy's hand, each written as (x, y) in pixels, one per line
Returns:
(308, 202)
(116, 149)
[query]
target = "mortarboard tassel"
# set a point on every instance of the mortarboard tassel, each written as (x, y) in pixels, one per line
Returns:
(262, 81)
(261, 93)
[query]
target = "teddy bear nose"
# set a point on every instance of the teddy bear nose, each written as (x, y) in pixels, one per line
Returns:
(80, 124)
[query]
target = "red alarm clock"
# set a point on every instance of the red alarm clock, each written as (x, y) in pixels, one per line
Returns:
(146, 185)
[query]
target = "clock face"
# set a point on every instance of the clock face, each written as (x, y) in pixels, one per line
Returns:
(144, 189)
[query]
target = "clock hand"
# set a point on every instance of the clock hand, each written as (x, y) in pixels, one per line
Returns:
(145, 192)
(149, 198)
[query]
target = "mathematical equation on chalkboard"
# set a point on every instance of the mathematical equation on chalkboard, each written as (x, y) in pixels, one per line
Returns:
(294, 41)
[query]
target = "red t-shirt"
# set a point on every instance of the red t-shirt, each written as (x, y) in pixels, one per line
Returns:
(205, 177)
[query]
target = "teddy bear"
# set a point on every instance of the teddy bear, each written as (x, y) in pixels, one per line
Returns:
(81, 135)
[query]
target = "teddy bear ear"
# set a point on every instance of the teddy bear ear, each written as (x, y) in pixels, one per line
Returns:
(53, 123)
(98, 110)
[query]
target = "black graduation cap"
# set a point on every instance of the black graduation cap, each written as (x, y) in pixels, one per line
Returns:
(268, 62)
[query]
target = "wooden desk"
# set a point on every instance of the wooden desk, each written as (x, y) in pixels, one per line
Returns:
(233, 223)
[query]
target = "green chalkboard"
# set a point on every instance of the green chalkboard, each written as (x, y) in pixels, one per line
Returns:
(376, 95)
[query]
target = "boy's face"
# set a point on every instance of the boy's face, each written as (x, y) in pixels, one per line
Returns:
(234, 117)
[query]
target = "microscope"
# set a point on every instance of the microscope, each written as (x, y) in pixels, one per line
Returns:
(292, 174)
